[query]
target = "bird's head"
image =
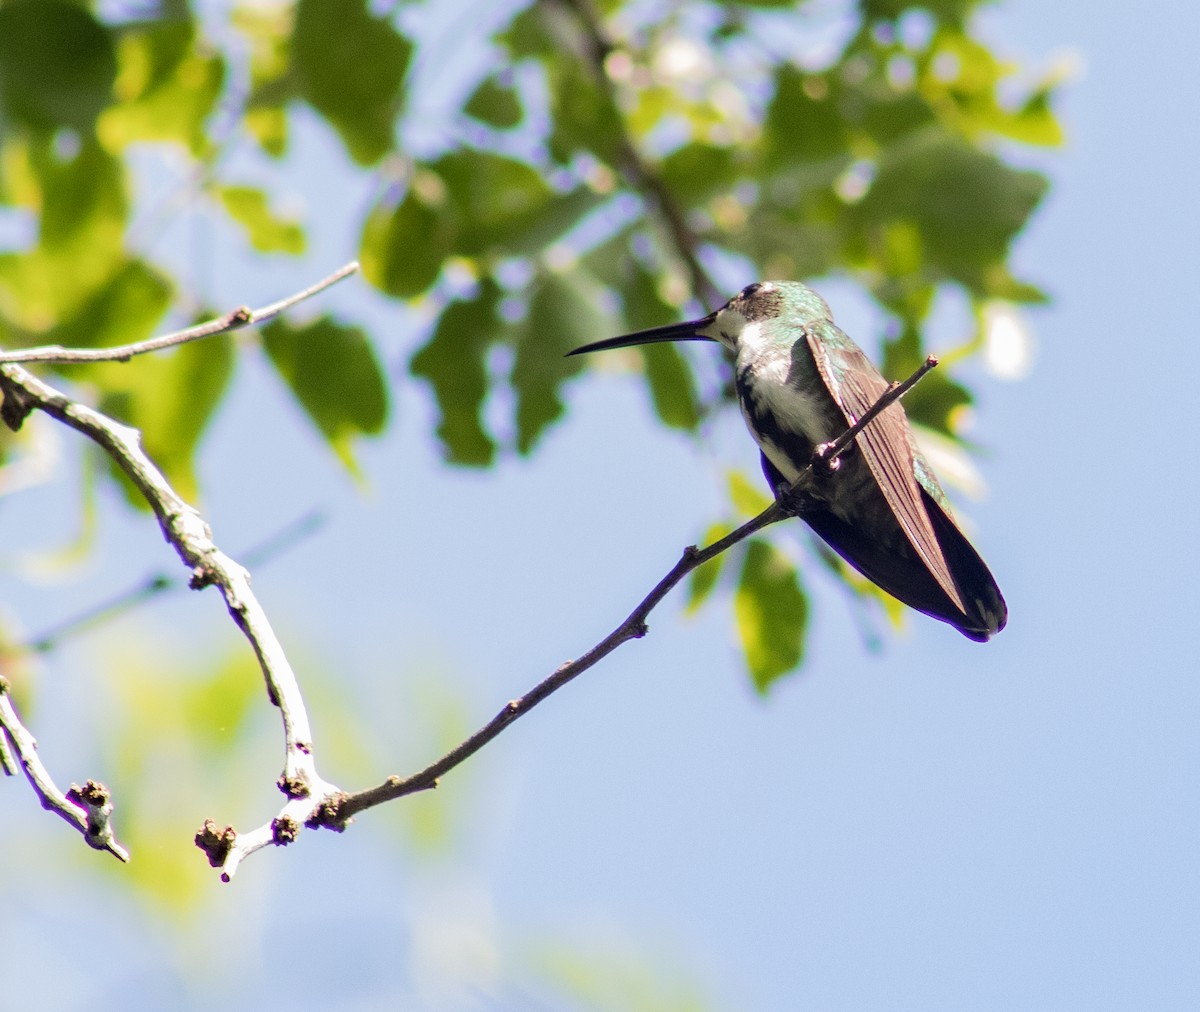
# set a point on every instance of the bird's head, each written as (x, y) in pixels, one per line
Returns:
(763, 300)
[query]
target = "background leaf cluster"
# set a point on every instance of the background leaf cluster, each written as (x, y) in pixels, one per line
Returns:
(606, 168)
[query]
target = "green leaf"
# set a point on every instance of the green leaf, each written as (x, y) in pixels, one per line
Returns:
(196, 722)
(268, 233)
(268, 31)
(57, 64)
(932, 402)
(1002, 285)
(772, 614)
(747, 496)
(887, 116)
(167, 85)
(494, 198)
(704, 580)
(495, 103)
(220, 704)
(562, 315)
(966, 204)
(125, 310)
(582, 114)
(454, 362)
(350, 67)
(170, 396)
(83, 207)
(1035, 122)
(268, 124)
(333, 371)
(83, 199)
(804, 121)
(612, 264)
(697, 172)
(583, 117)
(403, 247)
(937, 404)
(952, 12)
(526, 35)
(787, 248)
(502, 205)
(672, 385)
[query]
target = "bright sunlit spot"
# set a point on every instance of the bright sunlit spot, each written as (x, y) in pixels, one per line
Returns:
(1008, 348)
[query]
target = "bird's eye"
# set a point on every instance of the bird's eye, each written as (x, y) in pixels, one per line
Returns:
(750, 290)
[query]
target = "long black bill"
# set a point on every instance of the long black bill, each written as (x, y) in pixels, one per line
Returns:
(671, 332)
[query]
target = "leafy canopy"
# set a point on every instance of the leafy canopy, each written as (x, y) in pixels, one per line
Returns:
(611, 165)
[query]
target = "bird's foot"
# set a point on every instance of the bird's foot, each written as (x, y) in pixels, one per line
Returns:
(792, 501)
(824, 463)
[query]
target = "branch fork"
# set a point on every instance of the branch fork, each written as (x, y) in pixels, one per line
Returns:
(311, 800)
(89, 808)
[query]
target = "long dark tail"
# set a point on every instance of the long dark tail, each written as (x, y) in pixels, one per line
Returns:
(986, 609)
(903, 575)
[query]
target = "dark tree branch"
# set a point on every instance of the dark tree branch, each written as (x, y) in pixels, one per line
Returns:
(636, 170)
(311, 801)
(634, 627)
(831, 451)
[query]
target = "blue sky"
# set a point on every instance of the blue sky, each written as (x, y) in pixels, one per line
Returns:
(935, 826)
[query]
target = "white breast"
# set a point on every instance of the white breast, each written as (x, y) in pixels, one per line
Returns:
(768, 368)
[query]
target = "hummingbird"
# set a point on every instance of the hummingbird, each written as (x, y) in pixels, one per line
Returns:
(801, 382)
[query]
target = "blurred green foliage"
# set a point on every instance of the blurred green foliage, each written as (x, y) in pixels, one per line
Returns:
(611, 165)
(187, 729)
(334, 374)
(591, 973)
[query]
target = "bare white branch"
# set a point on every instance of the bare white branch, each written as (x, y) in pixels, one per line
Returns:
(238, 318)
(87, 808)
(192, 540)
(184, 528)
(8, 761)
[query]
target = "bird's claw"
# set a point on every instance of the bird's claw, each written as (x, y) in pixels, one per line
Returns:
(823, 461)
(793, 501)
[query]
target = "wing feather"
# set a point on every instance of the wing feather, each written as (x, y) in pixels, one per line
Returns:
(855, 385)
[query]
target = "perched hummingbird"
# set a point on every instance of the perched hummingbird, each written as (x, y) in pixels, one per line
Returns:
(801, 382)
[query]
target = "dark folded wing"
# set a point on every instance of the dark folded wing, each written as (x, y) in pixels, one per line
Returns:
(986, 612)
(855, 384)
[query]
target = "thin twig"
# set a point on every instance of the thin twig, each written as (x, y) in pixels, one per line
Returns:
(831, 451)
(634, 627)
(238, 318)
(86, 808)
